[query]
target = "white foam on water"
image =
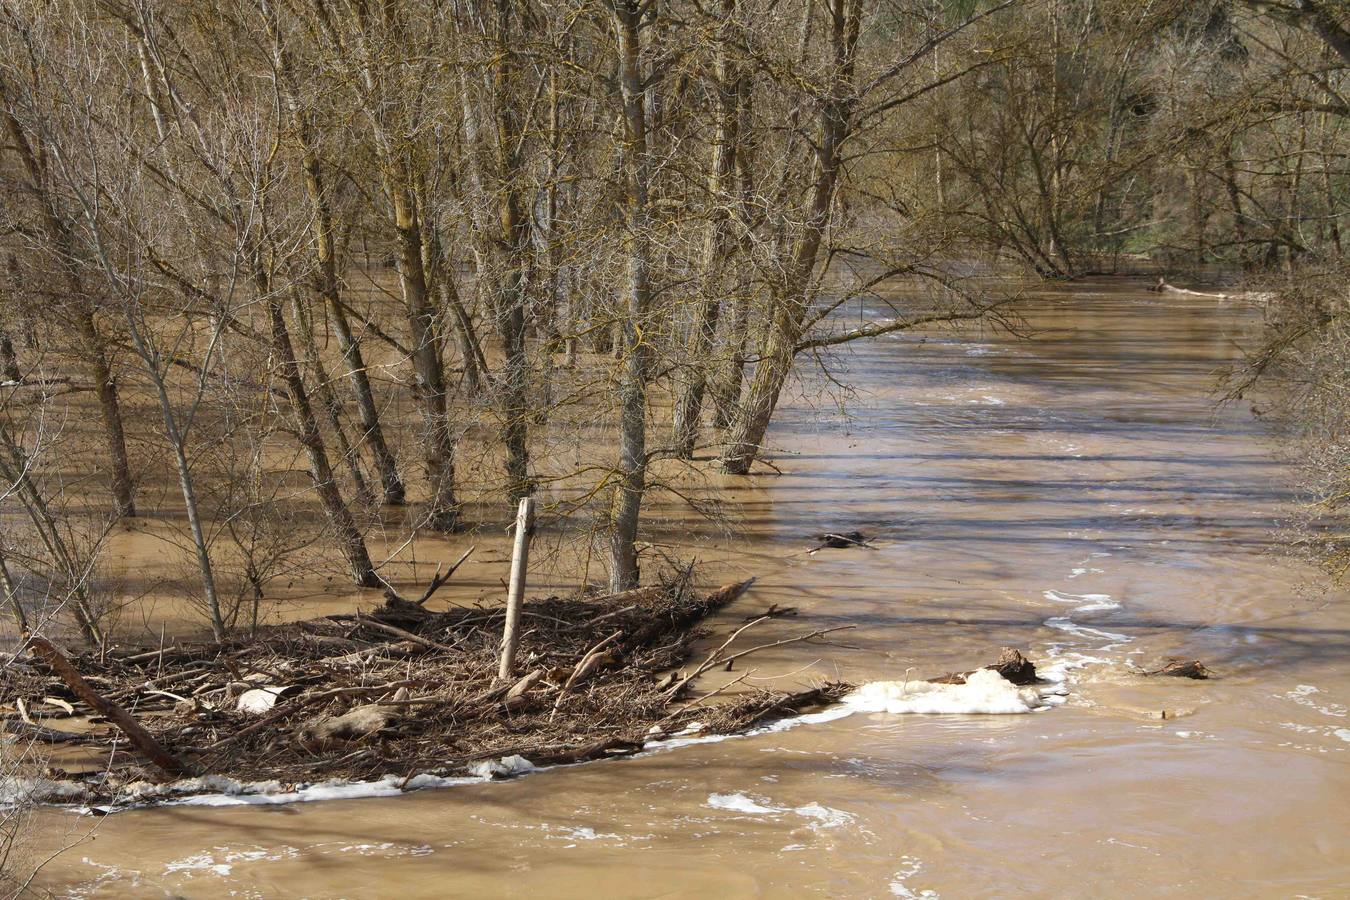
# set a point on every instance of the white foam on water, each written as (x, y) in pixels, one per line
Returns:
(741, 803)
(825, 816)
(505, 767)
(1063, 663)
(821, 816)
(1069, 626)
(909, 868)
(199, 862)
(222, 860)
(1086, 602)
(985, 693)
(21, 791)
(108, 875)
(1329, 731)
(1303, 696)
(682, 739)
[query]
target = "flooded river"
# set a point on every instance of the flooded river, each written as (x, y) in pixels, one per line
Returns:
(1074, 493)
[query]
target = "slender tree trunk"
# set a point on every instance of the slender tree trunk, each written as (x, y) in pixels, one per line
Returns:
(429, 391)
(689, 404)
(326, 280)
(632, 464)
(92, 345)
(186, 483)
(348, 536)
(514, 243)
(728, 391)
(12, 598)
(746, 436)
(9, 360)
(470, 350)
(438, 446)
(323, 386)
(15, 467)
(110, 408)
(493, 131)
(372, 431)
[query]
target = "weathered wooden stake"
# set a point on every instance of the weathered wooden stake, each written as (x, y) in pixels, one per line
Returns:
(520, 558)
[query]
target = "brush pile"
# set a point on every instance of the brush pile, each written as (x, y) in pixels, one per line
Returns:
(403, 690)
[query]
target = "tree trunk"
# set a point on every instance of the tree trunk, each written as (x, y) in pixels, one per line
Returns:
(323, 386)
(514, 248)
(326, 282)
(632, 463)
(728, 390)
(16, 468)
(92, 344)
(438, 446)
(689, 404)
(348, 536)
(110, 408)
(790, 307)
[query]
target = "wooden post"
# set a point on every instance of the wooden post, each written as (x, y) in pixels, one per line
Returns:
(520, 558)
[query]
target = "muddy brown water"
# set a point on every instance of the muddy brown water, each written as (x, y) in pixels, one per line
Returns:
(1075, 494)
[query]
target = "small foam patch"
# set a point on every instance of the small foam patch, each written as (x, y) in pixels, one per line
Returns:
(984, 693)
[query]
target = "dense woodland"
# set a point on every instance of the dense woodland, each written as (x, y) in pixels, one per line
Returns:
(288, 275)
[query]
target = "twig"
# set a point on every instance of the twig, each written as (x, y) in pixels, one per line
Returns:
(611, 614)
(582, 670)
(712, 693)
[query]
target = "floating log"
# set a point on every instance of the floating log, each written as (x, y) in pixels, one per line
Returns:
(1178, 668)
(841, 540)
(1162, 287)
(1011, 664)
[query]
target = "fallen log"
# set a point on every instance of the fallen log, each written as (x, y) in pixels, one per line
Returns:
(1162, 287)
(842, 540)
(406, 635)
(139, 737)
(44, 734)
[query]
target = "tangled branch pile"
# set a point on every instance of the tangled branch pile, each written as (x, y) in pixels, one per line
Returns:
(404, 691)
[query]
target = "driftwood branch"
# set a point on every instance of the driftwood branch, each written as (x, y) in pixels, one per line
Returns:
(437, 581)
(717, 659)
(399, 632)
(139, 737)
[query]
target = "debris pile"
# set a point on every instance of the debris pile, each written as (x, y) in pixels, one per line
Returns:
(404, 690)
